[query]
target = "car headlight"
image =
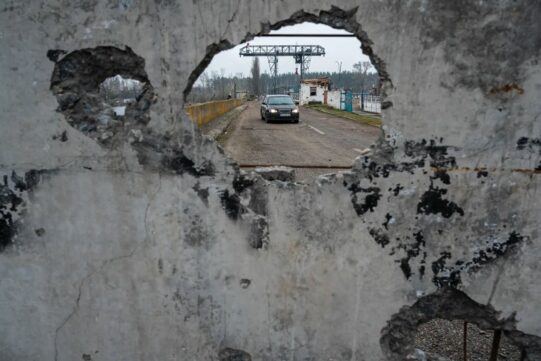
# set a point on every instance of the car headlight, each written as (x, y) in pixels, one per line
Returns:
(273, 110)
(296, 110)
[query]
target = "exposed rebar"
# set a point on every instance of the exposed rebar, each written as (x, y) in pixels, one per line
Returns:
(495, 345)
(465, 343)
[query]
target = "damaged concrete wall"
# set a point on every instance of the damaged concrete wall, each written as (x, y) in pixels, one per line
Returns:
(141, 240)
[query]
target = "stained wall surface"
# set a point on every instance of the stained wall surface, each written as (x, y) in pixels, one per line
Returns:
(141, 240)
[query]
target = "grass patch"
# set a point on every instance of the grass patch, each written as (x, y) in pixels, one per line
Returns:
(222, 138)
(361, 118)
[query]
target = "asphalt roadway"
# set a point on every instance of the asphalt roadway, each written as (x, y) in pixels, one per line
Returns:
(320, 143)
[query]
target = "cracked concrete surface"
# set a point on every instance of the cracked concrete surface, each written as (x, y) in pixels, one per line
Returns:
(100, 269)
(156, 246)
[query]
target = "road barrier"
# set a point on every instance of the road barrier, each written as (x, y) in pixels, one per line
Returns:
(203, 113)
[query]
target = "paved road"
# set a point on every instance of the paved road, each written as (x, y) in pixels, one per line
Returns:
(319, 141)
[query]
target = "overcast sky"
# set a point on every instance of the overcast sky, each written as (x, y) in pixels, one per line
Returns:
(345, 50)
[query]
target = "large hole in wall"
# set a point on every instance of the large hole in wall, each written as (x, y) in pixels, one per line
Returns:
(103, 92)
(303, 96)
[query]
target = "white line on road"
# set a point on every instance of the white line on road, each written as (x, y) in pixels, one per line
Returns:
(317, 130)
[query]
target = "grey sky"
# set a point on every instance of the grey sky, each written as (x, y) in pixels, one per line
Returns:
(346, 50)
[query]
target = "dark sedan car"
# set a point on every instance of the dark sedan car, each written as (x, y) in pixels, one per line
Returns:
(279, 107)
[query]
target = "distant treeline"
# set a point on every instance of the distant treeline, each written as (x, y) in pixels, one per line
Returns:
(349, 80)
(216, 87)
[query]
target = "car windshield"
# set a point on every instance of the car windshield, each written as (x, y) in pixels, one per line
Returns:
(285, 100)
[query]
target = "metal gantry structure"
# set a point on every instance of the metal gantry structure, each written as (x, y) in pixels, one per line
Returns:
(301, 53)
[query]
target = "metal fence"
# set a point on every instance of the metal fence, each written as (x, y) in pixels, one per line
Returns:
(371, 103)
(346, 101)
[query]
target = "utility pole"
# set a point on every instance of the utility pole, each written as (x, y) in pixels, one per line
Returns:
(339, 70)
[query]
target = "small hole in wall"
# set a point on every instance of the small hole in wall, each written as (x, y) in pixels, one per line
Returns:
(303, 97)
(103, 92)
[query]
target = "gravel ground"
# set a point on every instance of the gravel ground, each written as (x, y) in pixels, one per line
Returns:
(445, 338)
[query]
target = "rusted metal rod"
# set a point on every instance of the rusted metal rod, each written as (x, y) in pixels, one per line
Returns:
(495, 345)
(465, 343)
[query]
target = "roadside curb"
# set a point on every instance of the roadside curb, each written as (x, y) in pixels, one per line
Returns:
(216, 128)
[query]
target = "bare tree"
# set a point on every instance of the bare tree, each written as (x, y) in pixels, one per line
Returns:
(256, 90)
(205, 80)
(215, 81)
(339, 69)
(363, 67)
(222, 83)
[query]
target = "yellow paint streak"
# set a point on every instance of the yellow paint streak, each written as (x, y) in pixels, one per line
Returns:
(203, 113)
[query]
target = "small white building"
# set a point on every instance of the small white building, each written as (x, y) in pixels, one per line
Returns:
(241, 94)
(314, 91)
(333, 98)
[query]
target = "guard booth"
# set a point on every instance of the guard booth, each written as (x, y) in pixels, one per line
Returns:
(346, 101)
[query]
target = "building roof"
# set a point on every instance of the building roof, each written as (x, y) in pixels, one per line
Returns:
(317, 81)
